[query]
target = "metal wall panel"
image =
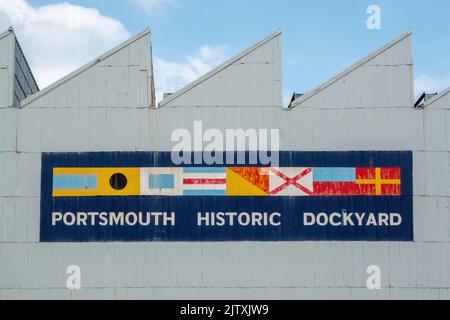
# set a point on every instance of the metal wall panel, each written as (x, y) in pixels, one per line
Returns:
(85, 129)
(440, 102)
(432, 174)
(337, 130)
(122, 78)
(403, 265)
(19, 172)
(368, 82)
(251, 80)
(228, 293)
(307, 129)
(18, 220)
(8, 125)
(435, 126)
(6, 68)
(291, 270)
(431, 219)
(418, 266)
(383, 80)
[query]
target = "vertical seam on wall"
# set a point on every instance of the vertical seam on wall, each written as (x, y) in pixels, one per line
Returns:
(17, 130)
(424, 133)
(13, 69)
(448, 186)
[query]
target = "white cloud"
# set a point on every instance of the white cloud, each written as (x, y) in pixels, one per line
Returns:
(59, 38)
(153, 6)
(171, 76)
(430, 84)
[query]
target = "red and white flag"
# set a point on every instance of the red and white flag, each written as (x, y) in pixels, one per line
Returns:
(291, 181)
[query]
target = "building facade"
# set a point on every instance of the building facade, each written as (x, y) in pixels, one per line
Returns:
(108, 106)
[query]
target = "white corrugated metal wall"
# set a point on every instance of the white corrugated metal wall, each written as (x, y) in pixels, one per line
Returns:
(6, 68)
(290, 270)
(251, 79)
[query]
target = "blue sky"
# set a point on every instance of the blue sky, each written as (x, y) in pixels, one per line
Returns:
(320, 37)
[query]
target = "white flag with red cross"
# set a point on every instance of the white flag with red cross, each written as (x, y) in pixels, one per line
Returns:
(291, 181)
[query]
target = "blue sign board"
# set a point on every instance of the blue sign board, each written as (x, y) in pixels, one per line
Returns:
(308, 196)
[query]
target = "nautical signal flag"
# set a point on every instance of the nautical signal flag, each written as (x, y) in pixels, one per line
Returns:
(209, 181)
(248, 181)
(86, 182)
(160, 181)
(291, 181)
(222, 181)
(357, 182)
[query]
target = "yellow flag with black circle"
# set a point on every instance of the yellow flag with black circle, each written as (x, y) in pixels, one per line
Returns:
(86, 182)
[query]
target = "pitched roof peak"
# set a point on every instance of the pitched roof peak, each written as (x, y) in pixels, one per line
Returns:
(219, 68)
(90, 64)
(350, 69)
